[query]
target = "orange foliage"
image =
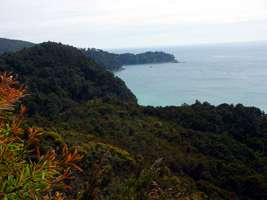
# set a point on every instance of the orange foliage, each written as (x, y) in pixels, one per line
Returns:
(53, 168)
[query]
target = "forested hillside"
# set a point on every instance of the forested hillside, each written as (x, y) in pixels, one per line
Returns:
(110, 61)
(60, 77)
(7, 45)
(133, 152)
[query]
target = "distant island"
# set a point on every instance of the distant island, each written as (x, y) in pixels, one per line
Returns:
(110, 61)
(113, 62)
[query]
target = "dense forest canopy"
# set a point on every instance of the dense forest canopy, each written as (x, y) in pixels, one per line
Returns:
(114, 61)
(134, 152)
(110, 61)
(60, 76)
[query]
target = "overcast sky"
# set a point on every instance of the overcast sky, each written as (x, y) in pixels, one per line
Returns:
(133, 23)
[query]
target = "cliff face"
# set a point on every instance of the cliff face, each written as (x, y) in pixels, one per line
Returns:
(113, 61)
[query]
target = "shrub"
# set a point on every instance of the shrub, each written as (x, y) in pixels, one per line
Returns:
(25, 172)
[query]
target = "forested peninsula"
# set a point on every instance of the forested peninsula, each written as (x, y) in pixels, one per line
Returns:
(115, 62)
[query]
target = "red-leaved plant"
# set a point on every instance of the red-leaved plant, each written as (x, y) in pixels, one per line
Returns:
(25, 173)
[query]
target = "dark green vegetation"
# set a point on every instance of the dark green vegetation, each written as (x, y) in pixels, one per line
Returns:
(110, 61)
(134, 152)
(113, 61)
(7, 45)
(60, 77)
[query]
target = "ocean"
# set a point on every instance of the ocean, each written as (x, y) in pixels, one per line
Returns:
(222, 73)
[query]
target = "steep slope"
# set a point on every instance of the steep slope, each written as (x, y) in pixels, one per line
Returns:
(8, 45)
(60, 77)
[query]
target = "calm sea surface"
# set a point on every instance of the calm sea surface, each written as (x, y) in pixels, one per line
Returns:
(228, 73)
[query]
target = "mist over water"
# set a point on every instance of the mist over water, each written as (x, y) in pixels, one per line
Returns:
(223, 73)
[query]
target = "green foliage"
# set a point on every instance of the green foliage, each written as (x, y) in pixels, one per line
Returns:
(25, 172)
(60, 77)
(157, 183)
(219, 161)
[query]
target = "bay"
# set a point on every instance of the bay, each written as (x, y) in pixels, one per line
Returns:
(220, 73)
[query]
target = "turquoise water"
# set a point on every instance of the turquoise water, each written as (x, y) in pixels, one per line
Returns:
(229, 73)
